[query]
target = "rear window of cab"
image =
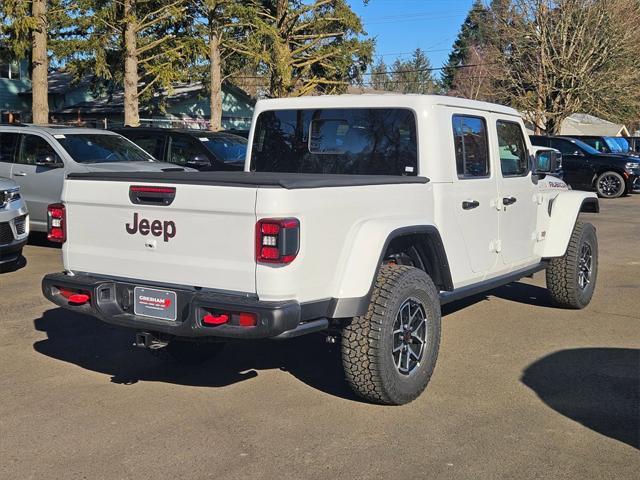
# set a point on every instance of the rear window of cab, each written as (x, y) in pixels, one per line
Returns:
(354, 141)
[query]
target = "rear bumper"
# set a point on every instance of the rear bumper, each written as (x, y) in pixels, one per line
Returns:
(112, 302)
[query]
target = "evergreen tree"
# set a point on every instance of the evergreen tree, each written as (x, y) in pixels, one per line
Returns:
(412, 76)
(380, 76)
(135, 43)
(24, 31)
(302, 47)
(474, 31)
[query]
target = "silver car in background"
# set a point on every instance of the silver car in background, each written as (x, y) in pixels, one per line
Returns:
(14, 223)
(39, 158)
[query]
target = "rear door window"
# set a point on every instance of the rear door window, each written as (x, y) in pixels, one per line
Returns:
(471, 146)
(354, 141)
(565, 146)
(8, 142)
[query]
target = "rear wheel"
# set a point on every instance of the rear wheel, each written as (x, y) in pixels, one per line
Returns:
(610, 185)
(389, 353)
(571, 279)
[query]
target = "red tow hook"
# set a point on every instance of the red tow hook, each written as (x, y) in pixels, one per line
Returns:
(78, 298)
(210, 319)
(74, 297)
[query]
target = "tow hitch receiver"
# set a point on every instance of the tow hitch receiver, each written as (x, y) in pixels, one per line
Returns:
(150, 341)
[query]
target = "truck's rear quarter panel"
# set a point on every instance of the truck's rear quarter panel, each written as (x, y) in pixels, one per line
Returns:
(213, 245)
(338, 251)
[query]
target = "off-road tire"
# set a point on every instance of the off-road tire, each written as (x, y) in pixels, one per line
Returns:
(188, 353)
(614, 175)
(562, 272)
(367, 342)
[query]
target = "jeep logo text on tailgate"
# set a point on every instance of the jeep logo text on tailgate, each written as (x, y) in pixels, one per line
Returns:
(157, 228)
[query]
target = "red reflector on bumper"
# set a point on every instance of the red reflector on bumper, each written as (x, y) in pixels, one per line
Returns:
(211, 319)
(248, 319)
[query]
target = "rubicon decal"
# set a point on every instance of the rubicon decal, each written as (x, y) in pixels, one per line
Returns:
(158, 228)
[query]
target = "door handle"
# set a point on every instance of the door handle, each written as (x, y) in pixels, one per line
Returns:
(20, 174)
(470, 205)
(509, 200)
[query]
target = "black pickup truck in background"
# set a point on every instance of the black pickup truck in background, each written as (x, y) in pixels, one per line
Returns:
(605, 144)
(585, 168)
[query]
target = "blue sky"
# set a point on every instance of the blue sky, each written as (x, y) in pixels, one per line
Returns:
(401, 26)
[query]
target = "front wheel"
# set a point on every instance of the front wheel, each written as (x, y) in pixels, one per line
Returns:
(389, 353)
(610, 185)
(571, 279)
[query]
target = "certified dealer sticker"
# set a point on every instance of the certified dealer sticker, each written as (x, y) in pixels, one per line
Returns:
(150, 302)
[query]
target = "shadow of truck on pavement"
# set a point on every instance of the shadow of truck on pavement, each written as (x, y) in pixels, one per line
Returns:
(596, 387)
(97, 346)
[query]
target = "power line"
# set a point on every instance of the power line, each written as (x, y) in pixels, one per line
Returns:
(432, 69)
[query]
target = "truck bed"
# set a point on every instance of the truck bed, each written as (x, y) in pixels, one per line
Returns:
(289, 181)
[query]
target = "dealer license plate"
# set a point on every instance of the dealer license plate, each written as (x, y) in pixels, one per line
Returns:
(153, 303)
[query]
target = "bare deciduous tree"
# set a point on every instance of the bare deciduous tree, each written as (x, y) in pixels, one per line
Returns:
(565, 56)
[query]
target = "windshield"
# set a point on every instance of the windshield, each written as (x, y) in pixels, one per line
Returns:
(622, 143)
(102, 148)
(348, 141)
(613, 145)
(226, 148)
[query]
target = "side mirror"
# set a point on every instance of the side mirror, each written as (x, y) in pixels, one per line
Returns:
(547, 161)
(199, 161)
(578, 153)
(50, 160)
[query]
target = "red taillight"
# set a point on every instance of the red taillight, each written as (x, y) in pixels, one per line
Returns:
(56, 223)
(75, 297)
(277, 240)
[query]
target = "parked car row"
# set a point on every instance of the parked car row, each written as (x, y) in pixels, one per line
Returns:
(35, 160)
(611, 175)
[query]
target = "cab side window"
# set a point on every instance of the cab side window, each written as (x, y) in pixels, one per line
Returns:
(565, 146)
(514, 156)
(471, 146)
(183, 148)
(8, 142)
(34, 148)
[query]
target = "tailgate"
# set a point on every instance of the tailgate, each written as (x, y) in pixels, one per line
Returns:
(203, 238)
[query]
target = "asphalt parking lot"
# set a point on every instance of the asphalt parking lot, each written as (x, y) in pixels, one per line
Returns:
(521, 390)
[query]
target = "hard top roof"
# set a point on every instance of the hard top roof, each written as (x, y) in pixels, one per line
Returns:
(391, 100)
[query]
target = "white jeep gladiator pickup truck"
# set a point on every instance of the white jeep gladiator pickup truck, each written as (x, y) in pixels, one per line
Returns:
(355, 215)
